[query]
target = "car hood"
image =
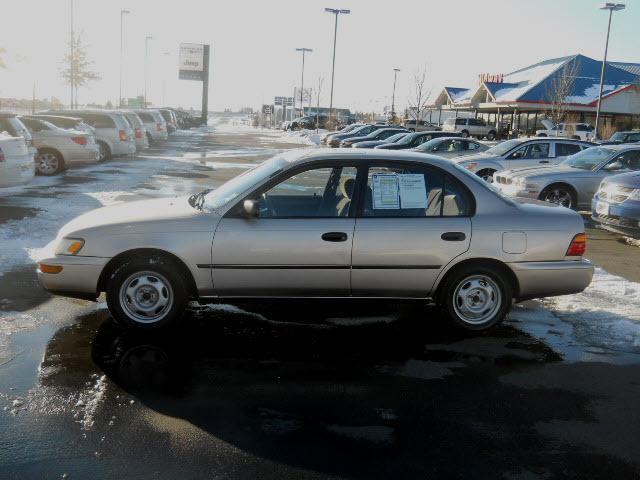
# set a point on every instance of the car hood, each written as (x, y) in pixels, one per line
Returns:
(393, 146)
(630, 180)
(545, 171)
(476, 157)
(370, 143)
(162, 214)
(357, 139)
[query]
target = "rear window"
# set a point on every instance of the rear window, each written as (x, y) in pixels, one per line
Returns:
(166, 115)
(146, 117)
(98, 120)
(14, 127)
(566, 149)
(461, 121)
(121, 121)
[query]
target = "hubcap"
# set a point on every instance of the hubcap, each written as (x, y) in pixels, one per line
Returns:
(146, 297)
(487, 176)
(47, 163)
(559, 196)
(102, 152)
(477, 299)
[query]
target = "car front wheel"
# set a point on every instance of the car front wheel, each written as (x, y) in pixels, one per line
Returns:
(476, 298)
(560, 195)
(486, 174)
(49, 162)
(146, 293)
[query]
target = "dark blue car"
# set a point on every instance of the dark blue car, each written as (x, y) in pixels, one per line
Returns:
(616, 204)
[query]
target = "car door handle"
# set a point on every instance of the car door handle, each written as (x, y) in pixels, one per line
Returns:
(334, 237)
(453, 236)
(543, 161)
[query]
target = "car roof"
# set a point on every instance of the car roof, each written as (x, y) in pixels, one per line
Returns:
(45, 116)
(621, 146)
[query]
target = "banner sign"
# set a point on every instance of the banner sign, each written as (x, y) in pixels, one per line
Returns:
(286, 101)
(191, 61)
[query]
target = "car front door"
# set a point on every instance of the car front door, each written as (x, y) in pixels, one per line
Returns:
(413, 220)
(300, 242)
(530, 155)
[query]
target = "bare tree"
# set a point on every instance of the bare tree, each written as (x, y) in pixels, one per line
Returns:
(320, 82)
(2, 52)
(559, 89)
(77, 71)
(419, 95)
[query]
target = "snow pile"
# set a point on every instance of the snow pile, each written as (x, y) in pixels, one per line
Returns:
(89, 401)
(305, 137)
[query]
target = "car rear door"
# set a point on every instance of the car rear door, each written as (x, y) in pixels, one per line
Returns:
(413, 220)
(299, 245)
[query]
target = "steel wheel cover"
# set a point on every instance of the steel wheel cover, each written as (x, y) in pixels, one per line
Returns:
(146, 297)
(47, 163)
(476, 299)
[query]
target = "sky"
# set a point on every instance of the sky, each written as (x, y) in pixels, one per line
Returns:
(253, 45)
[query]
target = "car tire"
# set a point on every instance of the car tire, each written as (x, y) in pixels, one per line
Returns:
(49, 162)
(491, 136)
(576, 137)
(104, 152)
(150, 139)
(560, 194)
(464, 134)
(541, 135)
(147, 293)
(476, 297)
(486, 174)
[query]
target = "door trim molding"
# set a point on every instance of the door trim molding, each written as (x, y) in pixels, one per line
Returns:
(317, 267)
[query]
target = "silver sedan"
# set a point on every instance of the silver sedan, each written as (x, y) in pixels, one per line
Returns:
(317, 223)
(572, 183)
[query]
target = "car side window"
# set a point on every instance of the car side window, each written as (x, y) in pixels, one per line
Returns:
(317, 192)
(629, 160)
(406, 190)
(472, 146)
(566, 149)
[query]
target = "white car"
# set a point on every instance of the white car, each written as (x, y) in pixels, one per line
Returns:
(139, 130)
(470, 127)
(155, 125)
(451, 147)
(520, 152)
(16, 160)
(58, 148)
(577, 131)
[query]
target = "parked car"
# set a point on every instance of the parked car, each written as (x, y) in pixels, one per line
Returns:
(380, 134)
(16, 159)
(577, 131)
(346, 129)
(521, 152)
(575, 181)
(308, 122)
(375, 143)
(114, 135)
(11, 124)
(155, 125)
(616, 204)
(631, 136)
(470, 127)
(58, 148)
(414, 139)
(334, 140)
(426, 229)
(169, 118)
(451, 147)
(68, 123)
(421, 126)
(139, 130)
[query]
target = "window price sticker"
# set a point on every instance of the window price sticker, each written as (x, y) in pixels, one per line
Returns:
(385, 191)
(413, 191)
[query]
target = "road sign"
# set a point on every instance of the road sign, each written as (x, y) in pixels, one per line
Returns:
(267, 109)
(286, 101)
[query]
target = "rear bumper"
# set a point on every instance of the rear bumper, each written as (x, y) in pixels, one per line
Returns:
(78, 278)
(548, 279)
(17, 171)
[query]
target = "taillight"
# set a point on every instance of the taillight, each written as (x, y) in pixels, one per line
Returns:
(1, 155)
(123, 135)
(578, 246)
(159, 127)
(80, 140)
(138, 133)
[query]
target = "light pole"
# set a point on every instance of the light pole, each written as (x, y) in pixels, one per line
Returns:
(72, 69)
(303, 50)
(122, 14)
(393, 96)
(336, 12)
(164, 80)
(146, 66)
(611, 7)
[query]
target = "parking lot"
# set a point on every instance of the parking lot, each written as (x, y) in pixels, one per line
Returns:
(302, 389)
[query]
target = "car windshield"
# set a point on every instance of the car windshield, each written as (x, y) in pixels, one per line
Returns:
(589, 159)
(619, 137)
(407, 139)
(428, 146)
(503, 147)
(395, 138)
(237, 185)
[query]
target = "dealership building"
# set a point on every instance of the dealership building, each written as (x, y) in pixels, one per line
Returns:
(521, 99)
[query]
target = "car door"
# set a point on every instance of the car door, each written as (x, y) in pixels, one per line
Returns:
(300, 243)
(413, 220)
(530, 155)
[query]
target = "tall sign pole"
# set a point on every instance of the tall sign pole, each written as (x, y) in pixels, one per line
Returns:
(205, 84)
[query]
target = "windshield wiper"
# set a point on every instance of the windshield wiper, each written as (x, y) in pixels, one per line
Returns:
(197, 199)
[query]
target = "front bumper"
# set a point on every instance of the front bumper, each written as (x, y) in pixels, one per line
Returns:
(548, 279)
(78, 278)
(622, 218)
(514, 191)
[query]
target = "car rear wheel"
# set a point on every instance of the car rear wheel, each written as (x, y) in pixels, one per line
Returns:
(560, 194)
(104, 152)
(486, 174)
(49, 162)
(476, 297)
(464, 134)
(147, 293)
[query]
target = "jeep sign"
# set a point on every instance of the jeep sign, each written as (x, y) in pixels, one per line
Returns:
(191, 61)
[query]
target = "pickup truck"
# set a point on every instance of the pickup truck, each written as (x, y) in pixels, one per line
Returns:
(577, 131)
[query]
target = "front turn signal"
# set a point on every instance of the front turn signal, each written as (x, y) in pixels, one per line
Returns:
(44, 268)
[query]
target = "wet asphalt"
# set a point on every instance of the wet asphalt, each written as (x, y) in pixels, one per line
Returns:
(291, 389)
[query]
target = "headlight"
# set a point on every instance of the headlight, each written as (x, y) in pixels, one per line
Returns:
(69, 246)
(635, 194)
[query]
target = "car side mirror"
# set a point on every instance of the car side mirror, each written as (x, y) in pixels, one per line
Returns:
(515, 155)
(613, 166)
(434, 149)
(250, 208)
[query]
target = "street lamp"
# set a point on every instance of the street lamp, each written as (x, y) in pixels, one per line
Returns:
(122, 14)
(146, 65)
(612, 7)
(164, 80)
(393, 96)
(303, 50)
(336, 12)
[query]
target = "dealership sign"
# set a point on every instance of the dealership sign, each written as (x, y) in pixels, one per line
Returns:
(191, 61)
(491, 78)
